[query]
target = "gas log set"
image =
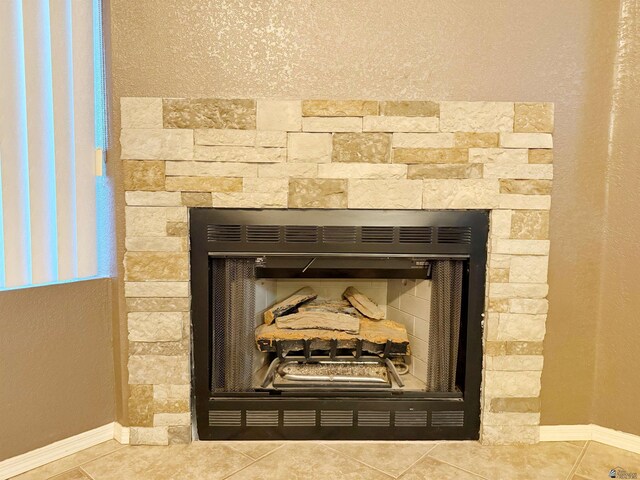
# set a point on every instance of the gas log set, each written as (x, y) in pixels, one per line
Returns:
(332, 336)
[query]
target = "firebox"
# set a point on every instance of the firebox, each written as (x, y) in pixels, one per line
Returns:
(337, 324)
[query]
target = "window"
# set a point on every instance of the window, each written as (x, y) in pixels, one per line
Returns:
(51, 126)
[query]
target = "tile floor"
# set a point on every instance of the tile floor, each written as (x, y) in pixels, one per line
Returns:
(340, 460)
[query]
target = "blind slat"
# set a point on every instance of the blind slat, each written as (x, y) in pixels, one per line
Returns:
(13, 147)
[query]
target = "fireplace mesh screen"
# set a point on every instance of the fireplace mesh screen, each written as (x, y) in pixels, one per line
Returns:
(233, 308)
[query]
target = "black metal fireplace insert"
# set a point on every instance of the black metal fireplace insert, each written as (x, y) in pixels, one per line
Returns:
(336, 244)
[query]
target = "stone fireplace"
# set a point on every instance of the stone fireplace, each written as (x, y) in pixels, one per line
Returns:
(327, 154)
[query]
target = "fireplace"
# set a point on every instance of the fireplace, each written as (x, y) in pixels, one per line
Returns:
(184, 157)
(258, 381)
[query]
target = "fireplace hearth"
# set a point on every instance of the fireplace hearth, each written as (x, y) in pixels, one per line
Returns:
(256, 380)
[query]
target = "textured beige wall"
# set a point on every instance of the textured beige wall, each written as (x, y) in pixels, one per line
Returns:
(617, 366)
(56, 364)
(511, 50)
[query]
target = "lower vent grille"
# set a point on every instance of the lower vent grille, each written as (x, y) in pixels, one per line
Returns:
(411, 418)
(447, 418)
(225, 418)
(374, 419)
(336, 418)
(262, 418)
(299, 418)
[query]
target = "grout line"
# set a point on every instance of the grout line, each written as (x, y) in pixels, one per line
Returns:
(576, 464)
(421, 457)
(78, 465)
(349, 457)
(253, 462)
(456, 466)
(85, 472)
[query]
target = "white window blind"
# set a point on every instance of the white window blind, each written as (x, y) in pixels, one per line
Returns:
(51, 123)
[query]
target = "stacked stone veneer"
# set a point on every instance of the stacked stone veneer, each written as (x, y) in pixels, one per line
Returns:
(181, 153)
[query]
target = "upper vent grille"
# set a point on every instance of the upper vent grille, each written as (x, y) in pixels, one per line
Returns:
(299, 418)
(339, 234)
(224, 233)
(374, 418)
(415, 234)
(377, 234)
(411, 418)
(336, 418)
(263, 233)
(301, 234)
(225, 418)
(457, 235)
(262, 418)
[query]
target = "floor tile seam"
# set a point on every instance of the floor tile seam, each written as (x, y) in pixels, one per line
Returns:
(77, 465)
(349, 457)
(578, 461)
(251, 463)
(246, 455)
(458, 467)
(421, 457)
(85, 472)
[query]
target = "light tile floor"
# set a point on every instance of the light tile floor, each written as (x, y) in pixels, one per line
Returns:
(340, 460)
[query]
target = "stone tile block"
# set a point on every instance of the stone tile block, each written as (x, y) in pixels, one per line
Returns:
(309, 147)
(526, 187)
(402, 194)
(511, 419)
(521, 327)
(332, 124)
(400, 124)
(284, 115)
(145, 221)
(148, 436)
(266, 185)
(520, 172)
(466, 193)
(361, 147)
(288, 170)
(512, 348)
(203, 184)
(501, 223)
(339, 108)
(526, 140)
(524, 202)
(158, 304)
(317, 193)
(153, 199)
(533, 117)
(510, 435)
(209, 113)
(168, 393)
(267, 138)
(518, 290)
(530, 225)
(155, 244)
(410, 108)
(196, 199)
(519, 247)
(476, 117)
(151, 266)
(208, 169)
(475, 140)
(430, 155)
(538, 156)
(226, 137)
(529, 269)
(154, 326)
(250, 200)
(179, 435)
(143, 175)
(362, 170)
(515, 404)
(423, 140)
(140, 405)
(444, 171)
(171, 419)
(152, 369)
(512, 384)
(140, 112)
(178, 229)
(515, 363)
(499, 275)
(156, 144)
(239, 154)
(498, 305)
(156, 289)
(529, 305)
(499, 155)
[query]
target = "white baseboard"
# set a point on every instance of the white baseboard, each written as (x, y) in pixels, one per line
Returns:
(121, 434)
(608, 436)
(55, 451)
